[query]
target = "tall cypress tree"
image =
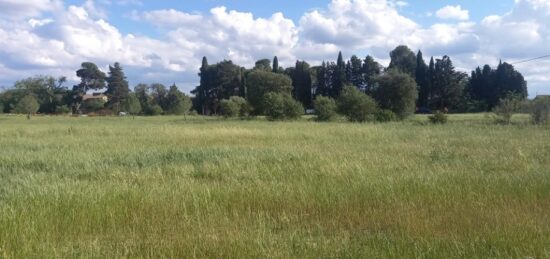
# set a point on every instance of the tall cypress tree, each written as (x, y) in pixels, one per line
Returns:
(371, 69)
(421, 77)
(301, 81)
(117, 87)
(275, 65)
(202, 91)
(355, 72)
(339, 78)
(430, 82)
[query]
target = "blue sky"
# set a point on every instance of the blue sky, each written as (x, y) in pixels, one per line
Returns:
(164, 41)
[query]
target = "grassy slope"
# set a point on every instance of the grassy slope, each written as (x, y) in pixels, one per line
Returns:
(166, 187)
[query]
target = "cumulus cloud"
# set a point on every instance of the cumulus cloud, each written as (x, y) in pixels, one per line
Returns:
(50, 38)
(453, 12)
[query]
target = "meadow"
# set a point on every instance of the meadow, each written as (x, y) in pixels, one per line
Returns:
(157, 187)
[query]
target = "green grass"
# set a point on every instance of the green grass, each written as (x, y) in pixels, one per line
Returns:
(168, 187)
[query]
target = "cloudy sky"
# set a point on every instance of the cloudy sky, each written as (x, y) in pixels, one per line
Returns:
(163, 41)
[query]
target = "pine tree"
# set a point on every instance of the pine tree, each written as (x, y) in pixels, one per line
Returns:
(117, 88)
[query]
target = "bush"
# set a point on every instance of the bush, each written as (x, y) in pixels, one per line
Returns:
(229, 109)
(540, 110)
(282, 106)
(325, 108)
(438, 117)
(507, 108)
(385, 116)
(155, 110)
(397, 92)
(355, 105)
(93, 105)
(235, 107)
(62, 109)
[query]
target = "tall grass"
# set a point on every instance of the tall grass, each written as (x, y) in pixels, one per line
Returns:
(169, 187)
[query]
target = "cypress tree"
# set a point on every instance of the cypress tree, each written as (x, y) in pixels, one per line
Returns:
(275, 65)
(421, 77)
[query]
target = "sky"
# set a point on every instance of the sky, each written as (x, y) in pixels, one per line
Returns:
(164, 41)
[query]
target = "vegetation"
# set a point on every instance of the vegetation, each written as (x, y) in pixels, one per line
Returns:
(235, 107)
(397, 92)
(167, 187)
(438, 117)
(355, 105)
(507, 108)
(540, 110)
(280, 106)
(325, 108)
(28, 105)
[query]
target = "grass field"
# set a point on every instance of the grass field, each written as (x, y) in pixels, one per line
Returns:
(168, 187)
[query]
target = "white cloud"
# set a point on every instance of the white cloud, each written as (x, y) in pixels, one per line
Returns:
(453, 12)
(49, 38)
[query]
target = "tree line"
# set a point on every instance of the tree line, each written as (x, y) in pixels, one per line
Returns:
(406, 86)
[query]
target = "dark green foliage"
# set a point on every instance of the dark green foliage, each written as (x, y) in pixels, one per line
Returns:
(151, 98)
(132, 104)
(264, 64)
(383, 115)
(62, 109)
(117, 88)
(325, 108)
(447, 85)
(355, 105)
(155, 110)
(281, 106)
(438, 117)
(48, 91)
(91, 78)
(403, 59)
(27, 105)
(218, 82)
(260, 82)
(371, 70)
(397, 92)
(422, 80)
(93, 105)
(490, 86)
(540, 110)
(235, 106)
(177, 103)
(275, 65)
(302, 82)
(354, 72)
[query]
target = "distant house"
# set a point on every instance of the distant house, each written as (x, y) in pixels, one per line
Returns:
(95, 96)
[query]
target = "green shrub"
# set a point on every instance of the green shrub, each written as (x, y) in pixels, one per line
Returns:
(282, 107)
(438, 117)
(385, 116)
(235, 106)
(229, 109)
(325, 108)
(355, 105)
(155, 110)
(540, 110)
(396, 91)
(507, 108)
(62, 109)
